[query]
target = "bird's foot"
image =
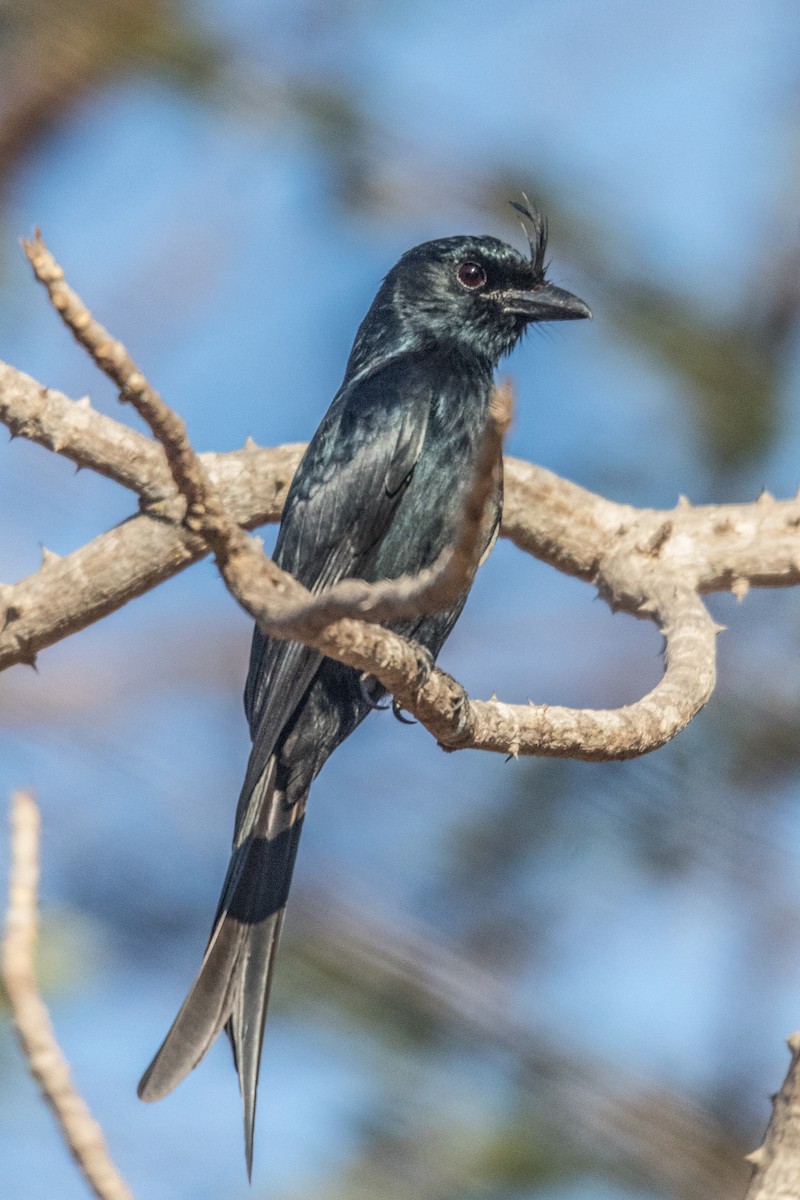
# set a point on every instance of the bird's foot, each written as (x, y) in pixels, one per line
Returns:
(399, 715)
(373, 692)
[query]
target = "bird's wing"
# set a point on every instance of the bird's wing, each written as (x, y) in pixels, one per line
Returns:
(342, 500)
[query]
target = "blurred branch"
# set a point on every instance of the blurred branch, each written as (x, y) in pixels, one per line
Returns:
(649, 563)
(52, 56)
(777, 1160)
(81, 1133)
(673, 1140)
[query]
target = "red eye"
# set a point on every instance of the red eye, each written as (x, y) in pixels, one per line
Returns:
(471, 275)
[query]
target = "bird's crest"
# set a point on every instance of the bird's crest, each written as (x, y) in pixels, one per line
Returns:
(534, 224)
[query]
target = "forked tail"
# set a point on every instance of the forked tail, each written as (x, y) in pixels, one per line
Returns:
(232, 987)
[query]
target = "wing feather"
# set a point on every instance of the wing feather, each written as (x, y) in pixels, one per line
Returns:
(350, 482)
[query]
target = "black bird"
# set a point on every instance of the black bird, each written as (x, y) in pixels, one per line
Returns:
(378, 494)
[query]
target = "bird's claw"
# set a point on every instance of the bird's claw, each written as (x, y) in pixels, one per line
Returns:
(367, 685)
(400, 716)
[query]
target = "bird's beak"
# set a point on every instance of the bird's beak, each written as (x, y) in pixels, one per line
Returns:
(546, 302)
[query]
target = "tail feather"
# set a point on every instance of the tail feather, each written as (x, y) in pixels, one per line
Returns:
(202, 1015)
(233, 985)
(245, 1029)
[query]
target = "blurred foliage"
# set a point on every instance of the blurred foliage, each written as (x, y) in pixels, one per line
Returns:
(69, 951)
(731, 369)
(732, 372)
(446, 1160)
(53, 55)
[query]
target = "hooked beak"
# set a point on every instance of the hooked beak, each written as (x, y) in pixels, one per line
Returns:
(546, 302)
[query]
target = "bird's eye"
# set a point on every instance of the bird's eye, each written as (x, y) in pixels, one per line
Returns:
(471, 275)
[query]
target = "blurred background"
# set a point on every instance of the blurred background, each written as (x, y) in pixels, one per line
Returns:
(499, 980)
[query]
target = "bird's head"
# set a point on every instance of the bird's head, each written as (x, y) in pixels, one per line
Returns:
(478, 290)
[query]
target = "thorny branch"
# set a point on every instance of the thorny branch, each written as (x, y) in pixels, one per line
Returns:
(652, 564)
(81, 1133)
(776, 1162)
(290, 611)
(649, 563)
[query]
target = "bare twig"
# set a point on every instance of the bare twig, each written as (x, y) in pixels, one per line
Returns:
(112, 357)
(710, 548)
(777, 1161)
(81, 1133)
(583, 534)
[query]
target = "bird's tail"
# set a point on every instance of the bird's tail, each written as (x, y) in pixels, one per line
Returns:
(233, 984)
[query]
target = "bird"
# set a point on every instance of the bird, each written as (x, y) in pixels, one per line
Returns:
(378, 494)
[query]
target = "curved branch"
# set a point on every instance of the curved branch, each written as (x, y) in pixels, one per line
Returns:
(291, 608)
(650, 563)
(81, 1133)
(284, 609)
(712, 547)
(606, 734)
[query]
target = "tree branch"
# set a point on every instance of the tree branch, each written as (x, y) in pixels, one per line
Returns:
(776, 1162)
(82, 434)
(621, 549)
(81, 1133)
(437, 700)
(431, 591)
(66, 594)
(649, 563)
(112, 358)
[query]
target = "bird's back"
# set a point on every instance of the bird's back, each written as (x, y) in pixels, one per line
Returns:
(426, 521)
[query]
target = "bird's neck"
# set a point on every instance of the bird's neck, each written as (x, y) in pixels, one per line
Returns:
(390, 330)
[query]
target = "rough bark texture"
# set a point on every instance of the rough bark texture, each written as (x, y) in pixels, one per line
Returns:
(653, 564)
(777, 1160)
